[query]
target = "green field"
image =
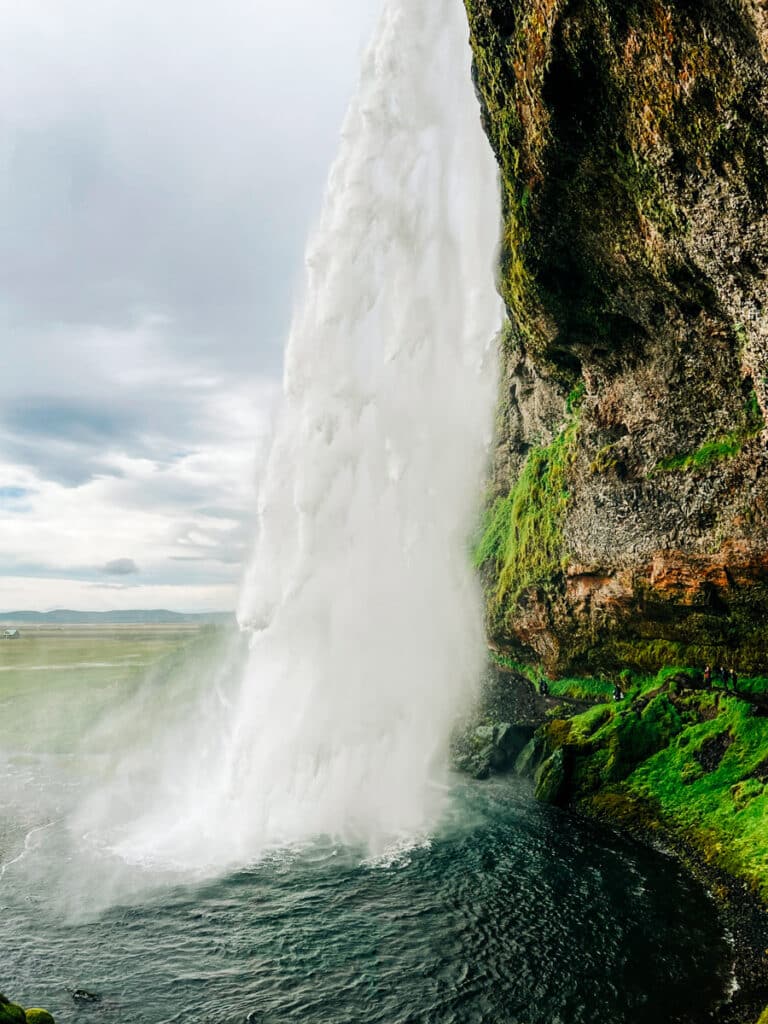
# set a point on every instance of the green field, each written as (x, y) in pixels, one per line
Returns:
(57, 681)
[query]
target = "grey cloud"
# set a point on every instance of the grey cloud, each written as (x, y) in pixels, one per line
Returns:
(159, 165)
(67, 439)
(76, 421)
(170, 160)
(120, 567)
(60, 462)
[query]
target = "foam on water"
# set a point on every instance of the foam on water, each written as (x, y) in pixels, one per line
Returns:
(365, 616)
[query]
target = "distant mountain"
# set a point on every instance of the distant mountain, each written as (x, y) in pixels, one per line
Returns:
(136, 617)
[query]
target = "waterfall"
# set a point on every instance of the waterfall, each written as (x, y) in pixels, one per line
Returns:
(365, 619)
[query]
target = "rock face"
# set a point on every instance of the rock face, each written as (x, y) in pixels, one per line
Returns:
(628, 523)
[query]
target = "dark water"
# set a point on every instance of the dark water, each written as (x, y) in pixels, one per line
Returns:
(516, 914)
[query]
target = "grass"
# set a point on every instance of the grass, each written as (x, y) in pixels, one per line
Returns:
(45, 673)
(75, 645)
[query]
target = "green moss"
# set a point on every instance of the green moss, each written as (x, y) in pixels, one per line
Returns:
(727, 447)
(725, 809)
(37, 1016)
(522, 542)
(754, 414)
(575, 398)
(605, 461)
(648, 656)
(711, 451)
(697, 758)
(11, 1013)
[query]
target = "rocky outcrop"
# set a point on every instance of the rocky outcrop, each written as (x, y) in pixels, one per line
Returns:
(628, 523)
(12, 1013)
(681, 765)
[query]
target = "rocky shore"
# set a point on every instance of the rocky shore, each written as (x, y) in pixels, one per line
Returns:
(676, 766)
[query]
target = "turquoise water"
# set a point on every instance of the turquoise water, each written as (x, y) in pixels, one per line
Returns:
(513, 914)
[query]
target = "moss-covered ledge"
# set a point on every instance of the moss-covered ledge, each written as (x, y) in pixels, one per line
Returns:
(683, 767)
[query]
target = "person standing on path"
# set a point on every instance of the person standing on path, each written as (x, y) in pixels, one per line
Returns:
(707, 677)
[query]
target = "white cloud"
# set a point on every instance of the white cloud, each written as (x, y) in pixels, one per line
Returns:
(160, 164)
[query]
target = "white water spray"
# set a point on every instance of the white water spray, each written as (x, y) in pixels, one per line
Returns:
(366, 618)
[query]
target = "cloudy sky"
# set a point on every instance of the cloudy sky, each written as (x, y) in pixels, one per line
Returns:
(160, 164)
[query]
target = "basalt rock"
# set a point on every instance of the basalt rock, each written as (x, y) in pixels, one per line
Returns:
(628, 523)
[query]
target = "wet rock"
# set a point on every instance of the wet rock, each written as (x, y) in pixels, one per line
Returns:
(552, 778)
(80, 995)
(489, 747)
(628, 512)
(713, 750)
(38, 1016)
(530, 758)
(12, 1013)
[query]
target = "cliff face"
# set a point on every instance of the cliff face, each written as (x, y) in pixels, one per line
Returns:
(628, 517)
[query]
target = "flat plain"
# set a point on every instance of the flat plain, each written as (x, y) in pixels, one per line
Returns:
(56, 680)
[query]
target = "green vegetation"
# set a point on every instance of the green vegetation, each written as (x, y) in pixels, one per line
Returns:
(583, 689)
(711, 784)
(711, 451)
(692, 761)
(727, 447)
(12, 1013)
(44, 673)
(523, 540)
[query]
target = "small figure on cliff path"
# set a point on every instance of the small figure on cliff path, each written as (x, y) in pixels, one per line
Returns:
(734, 679)
(724, 676)
(707, 677)
(618, 694)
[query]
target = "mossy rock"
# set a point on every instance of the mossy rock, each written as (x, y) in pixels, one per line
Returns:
(38, 1016)
(12, 1013)
(764, 1017)
(530, 758)
(746, 791)
(552, 778)
(691, 772)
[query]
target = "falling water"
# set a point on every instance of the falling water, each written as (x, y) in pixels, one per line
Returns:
(327, 724)
(365, 617)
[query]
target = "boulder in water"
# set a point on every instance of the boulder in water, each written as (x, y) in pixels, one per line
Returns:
(80, 995)
(38, 1016)
(530, 757)
(12, 1013)
(508, 743)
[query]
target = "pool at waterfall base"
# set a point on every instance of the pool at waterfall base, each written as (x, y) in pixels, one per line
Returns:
(511, 913)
